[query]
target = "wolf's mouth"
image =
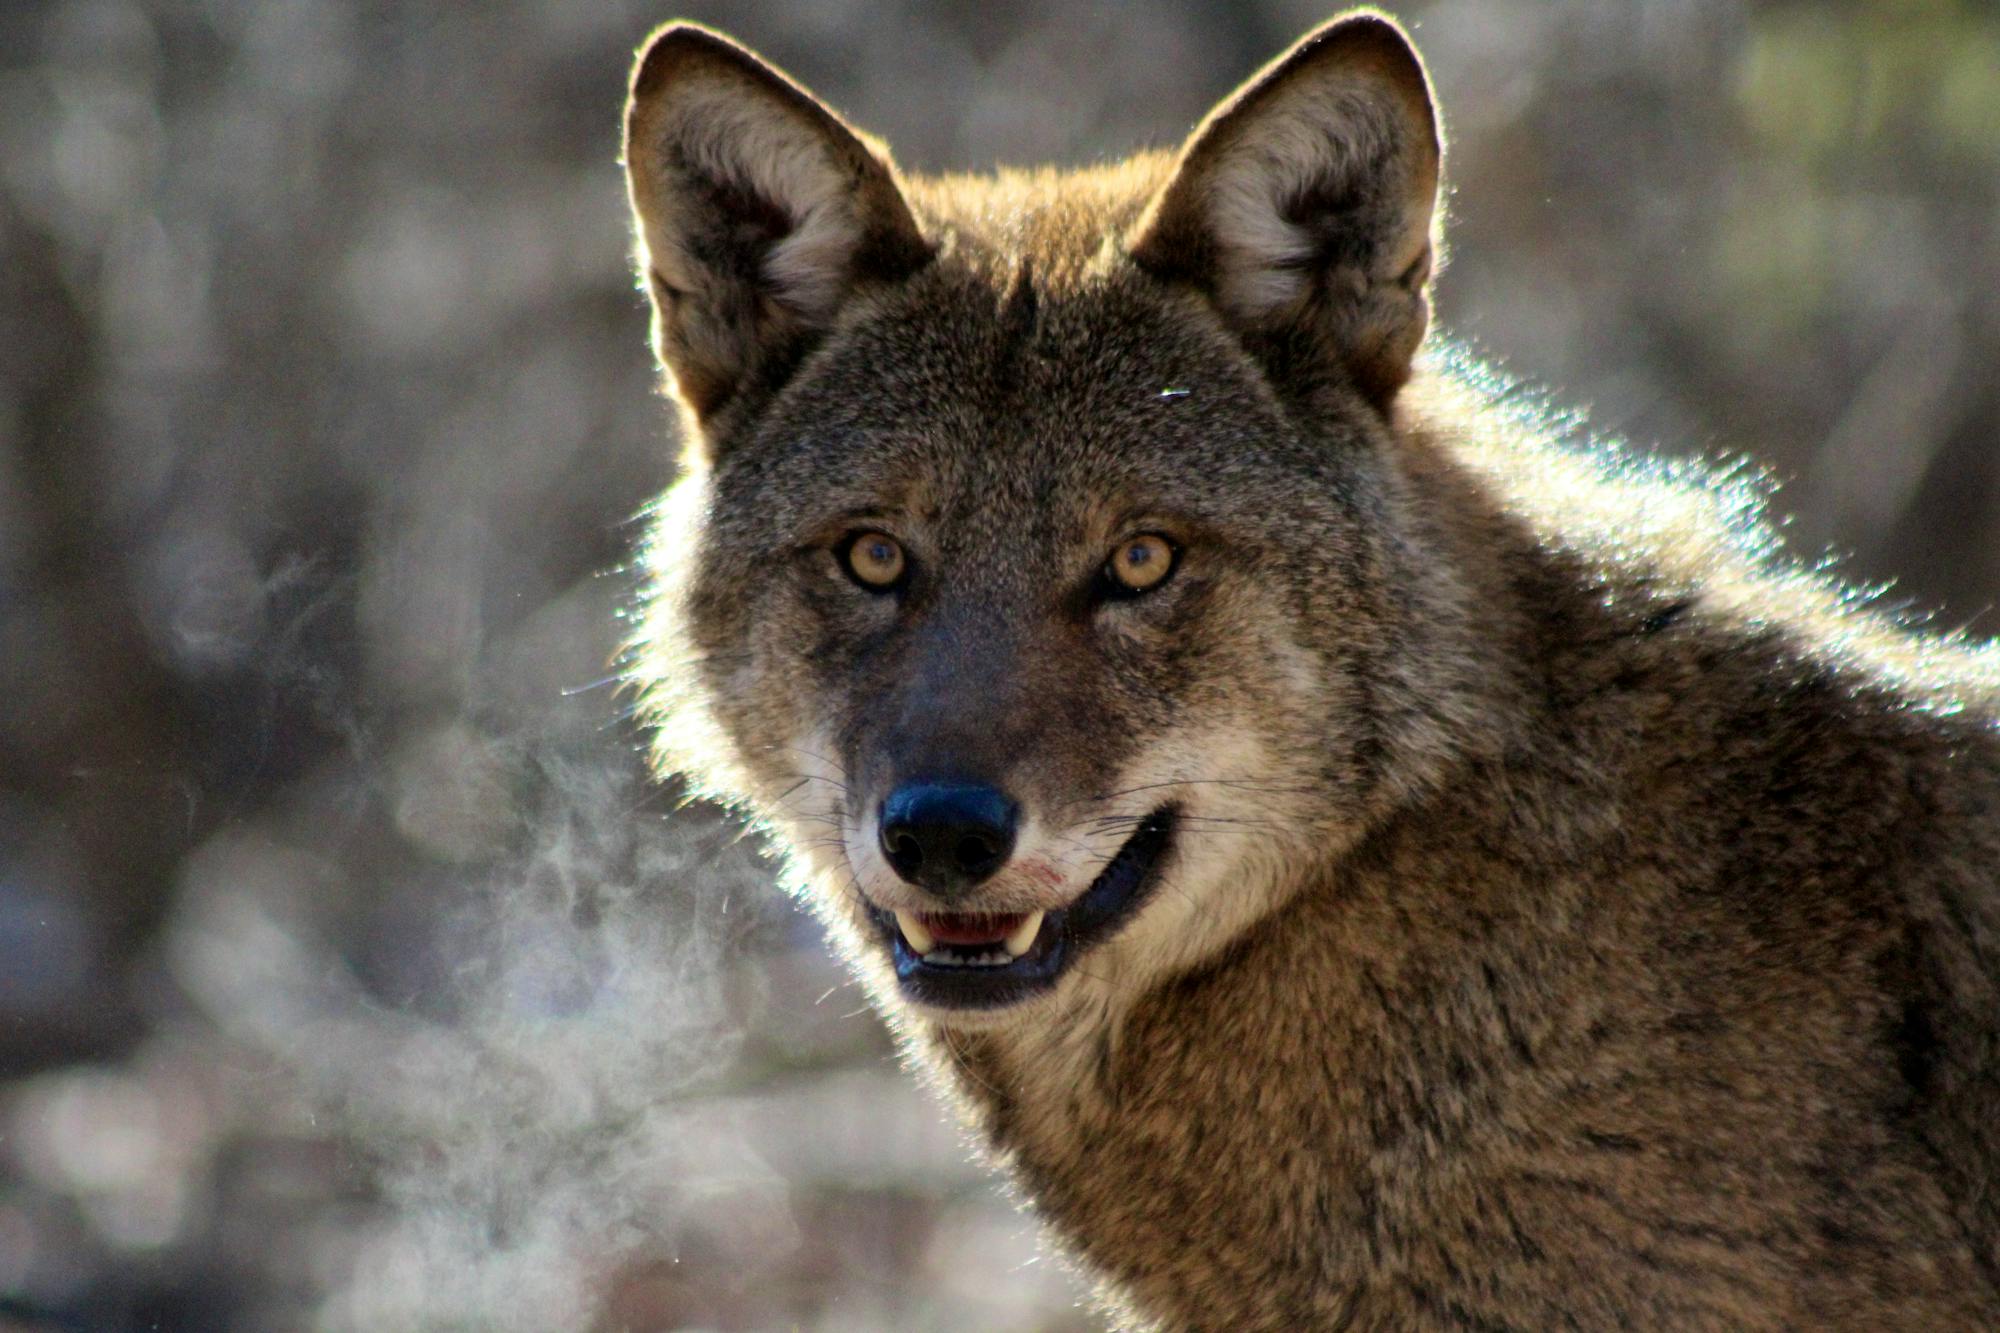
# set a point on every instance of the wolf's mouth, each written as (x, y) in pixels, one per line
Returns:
(964, 960)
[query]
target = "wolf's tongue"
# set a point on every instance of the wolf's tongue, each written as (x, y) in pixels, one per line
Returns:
(966, 928)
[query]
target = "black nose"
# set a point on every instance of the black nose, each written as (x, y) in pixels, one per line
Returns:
(947, 836)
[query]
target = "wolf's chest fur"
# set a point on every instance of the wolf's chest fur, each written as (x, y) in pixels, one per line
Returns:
(1361, 862)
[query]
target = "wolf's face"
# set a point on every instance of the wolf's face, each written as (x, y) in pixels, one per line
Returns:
(1013, 622)
(1005, 581)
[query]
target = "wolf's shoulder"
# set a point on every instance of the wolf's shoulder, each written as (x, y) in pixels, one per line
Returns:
(1632, 546)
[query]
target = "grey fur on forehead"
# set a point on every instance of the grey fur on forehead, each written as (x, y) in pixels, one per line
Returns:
(940, 389)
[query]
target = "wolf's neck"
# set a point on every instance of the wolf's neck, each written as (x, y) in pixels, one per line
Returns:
(1318, 1083)
(1324, 1080)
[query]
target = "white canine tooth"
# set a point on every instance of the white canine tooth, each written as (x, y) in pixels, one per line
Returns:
(1023, 937)
(921, 941)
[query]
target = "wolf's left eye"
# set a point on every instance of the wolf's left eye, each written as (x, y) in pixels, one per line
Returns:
(1140, 564)
(875, 560)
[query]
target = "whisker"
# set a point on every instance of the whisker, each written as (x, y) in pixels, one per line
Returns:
(1239, 784)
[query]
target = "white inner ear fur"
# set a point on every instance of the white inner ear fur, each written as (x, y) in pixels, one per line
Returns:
(1308, 138)
(732, 133)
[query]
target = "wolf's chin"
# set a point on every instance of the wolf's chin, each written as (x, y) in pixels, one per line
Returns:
(962, 962)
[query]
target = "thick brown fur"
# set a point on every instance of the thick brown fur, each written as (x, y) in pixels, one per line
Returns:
(1577, 917)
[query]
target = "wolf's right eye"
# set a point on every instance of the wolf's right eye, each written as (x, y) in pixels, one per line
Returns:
(875, 560)
(1140, 564)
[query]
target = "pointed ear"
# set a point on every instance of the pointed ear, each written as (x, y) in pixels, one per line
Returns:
(759, 213)
(1306, 202)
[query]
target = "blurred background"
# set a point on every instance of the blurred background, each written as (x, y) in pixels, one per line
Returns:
(351, 977)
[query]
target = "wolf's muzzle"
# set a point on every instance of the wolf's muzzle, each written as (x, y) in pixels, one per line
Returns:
(963, 960)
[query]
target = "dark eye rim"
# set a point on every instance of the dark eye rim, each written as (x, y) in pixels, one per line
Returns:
(1111, 588)
(843, 553)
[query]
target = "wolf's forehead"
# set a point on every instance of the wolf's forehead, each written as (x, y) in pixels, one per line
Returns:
(989, 373)
(992, 410)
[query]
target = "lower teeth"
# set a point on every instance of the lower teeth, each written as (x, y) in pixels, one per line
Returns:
(991, 958)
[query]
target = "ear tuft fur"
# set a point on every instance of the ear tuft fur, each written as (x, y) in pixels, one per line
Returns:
(1307, 201)
(758, 211)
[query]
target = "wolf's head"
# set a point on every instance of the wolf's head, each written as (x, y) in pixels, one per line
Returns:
(1042, 570)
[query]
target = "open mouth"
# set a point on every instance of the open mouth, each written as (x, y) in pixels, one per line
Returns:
(965, 960)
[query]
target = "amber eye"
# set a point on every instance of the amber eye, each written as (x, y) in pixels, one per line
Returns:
(1140, 563)
(875, 559)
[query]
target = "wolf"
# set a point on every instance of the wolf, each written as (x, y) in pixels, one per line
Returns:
(1358, 858)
